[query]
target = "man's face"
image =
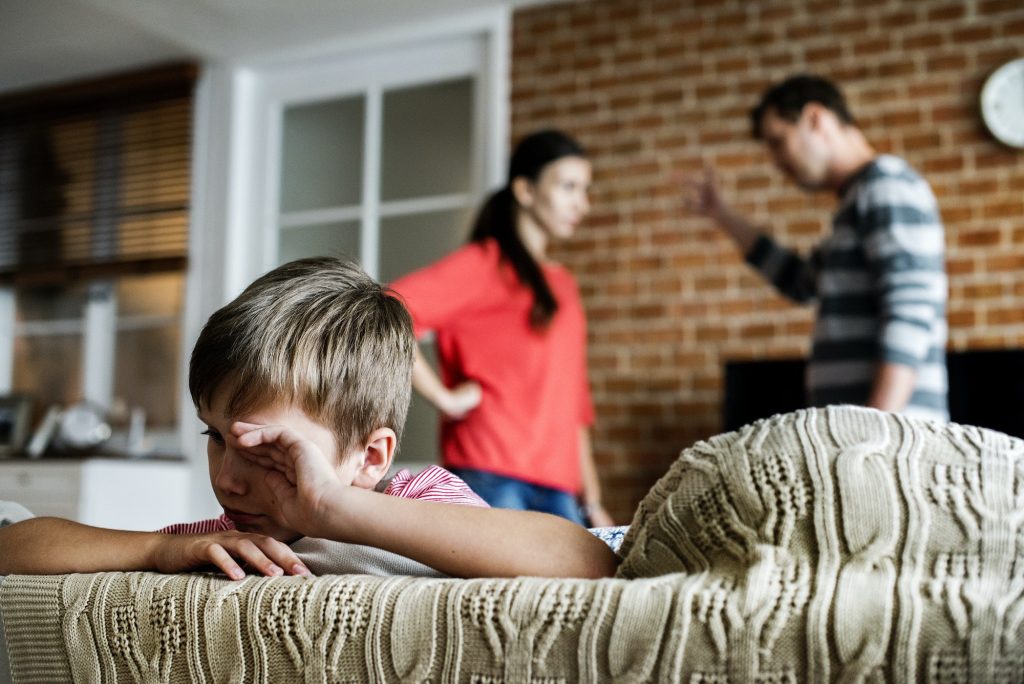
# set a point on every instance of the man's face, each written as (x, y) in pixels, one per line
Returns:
(797, 147)
(239, 484)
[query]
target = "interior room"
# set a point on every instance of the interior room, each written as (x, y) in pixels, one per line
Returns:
(157, 156)
(434, 93)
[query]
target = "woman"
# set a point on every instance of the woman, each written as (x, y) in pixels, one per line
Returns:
(511, 341)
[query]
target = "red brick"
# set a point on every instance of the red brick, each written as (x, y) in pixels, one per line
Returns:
(955, 10)
(927, 140)
(998, 6)
(976, 238)
(896, 68)
(1004, 209)
(872, 46)
(826, 53)
(923, 41)
(957, 266)
(903, 118)
(939, 164)
(1005, 262)
(930, 89)
(973, 34)
(1005, 316)
(1013, 28)
(955, 214)
(962, 318)
(778, 14)
(948, 62)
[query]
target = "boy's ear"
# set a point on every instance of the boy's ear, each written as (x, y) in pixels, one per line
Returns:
(378, 450)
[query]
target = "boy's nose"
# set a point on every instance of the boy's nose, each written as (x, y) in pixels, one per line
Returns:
(232, 474)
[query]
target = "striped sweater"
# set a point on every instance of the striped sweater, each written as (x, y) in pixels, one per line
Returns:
(880, 284)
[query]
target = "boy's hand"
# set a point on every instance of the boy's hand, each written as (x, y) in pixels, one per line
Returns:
(298, 473)
(265, 555)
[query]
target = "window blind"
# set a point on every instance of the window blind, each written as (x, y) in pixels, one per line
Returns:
(95, 177)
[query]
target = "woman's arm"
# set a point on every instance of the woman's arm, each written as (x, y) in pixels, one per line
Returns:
(50, 546)
(593, 509)
(455, 402)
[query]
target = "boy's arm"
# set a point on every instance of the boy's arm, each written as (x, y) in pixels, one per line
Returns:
(47, 546)
(463, 541)
(467, 541)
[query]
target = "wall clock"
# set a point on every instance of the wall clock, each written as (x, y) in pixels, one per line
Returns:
(1002, 103)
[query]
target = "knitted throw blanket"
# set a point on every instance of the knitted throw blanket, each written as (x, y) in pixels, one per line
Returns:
(840, 544)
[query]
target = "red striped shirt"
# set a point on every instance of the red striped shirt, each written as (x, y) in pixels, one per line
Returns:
(433, 483)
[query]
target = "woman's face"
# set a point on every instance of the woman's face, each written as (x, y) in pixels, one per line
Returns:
(557, 202)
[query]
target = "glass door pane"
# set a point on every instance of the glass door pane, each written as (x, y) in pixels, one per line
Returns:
(427, 136)
(406, 244)
(415, 240)
(148, 343)
(324, 239)
(48, 350)
(322, 154)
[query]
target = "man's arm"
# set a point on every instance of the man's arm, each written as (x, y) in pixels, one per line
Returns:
(904, 245)
(791, 274)
(49, 546)
(893, 385)
(703, 196)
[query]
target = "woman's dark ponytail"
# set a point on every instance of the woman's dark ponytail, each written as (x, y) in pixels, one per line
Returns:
(497, 217)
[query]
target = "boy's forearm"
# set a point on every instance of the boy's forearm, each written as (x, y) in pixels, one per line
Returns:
(49, 546)
(467, 541)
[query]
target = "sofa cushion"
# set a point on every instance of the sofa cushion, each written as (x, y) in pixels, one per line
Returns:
(870, 543)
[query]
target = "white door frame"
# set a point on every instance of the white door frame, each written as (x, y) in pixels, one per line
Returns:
(236, 141)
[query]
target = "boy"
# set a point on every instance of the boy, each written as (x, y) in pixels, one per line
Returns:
(303, 382)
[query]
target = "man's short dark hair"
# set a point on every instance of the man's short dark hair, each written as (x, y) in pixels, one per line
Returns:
(787, 100)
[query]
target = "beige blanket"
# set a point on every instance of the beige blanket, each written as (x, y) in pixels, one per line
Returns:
(824, 545)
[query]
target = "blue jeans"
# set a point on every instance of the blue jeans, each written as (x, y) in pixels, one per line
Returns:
(508, 492)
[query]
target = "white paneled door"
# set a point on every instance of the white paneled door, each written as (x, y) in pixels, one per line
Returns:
(382, 155)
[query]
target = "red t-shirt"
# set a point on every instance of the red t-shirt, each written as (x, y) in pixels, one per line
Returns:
(535, 391)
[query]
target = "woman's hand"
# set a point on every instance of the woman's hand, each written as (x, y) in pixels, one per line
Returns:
(461, 399)
(597, 516)
(226, 550)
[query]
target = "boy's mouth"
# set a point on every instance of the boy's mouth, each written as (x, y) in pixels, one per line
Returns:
(241, 517)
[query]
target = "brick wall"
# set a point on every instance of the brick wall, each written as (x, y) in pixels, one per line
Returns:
(653, 87)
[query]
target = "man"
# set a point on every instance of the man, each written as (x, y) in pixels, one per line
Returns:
(879, 277)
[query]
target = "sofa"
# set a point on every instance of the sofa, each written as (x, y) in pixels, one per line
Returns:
(838, 544)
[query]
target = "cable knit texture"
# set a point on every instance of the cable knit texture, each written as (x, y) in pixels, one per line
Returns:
(837, 544)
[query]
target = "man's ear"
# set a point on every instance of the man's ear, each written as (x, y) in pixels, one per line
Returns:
(522, 190)
(378, 450)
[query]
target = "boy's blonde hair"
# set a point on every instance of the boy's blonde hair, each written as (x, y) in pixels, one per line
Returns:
(316, 333)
